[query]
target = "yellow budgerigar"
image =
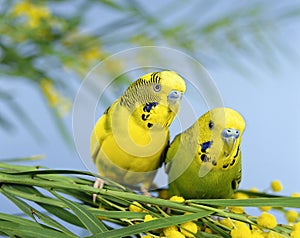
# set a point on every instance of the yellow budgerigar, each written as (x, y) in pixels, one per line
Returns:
(128, 142)
(204, 161)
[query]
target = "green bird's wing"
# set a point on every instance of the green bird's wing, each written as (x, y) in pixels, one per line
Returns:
(170, 152)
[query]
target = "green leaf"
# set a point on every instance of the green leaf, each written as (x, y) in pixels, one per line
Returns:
(215, 228)
(93, 224)
(251, 202)
(23, 159)
(258, 194)
(112, 4)
(29, 211)
(17, 219)
(23, 227)
(207, 235)
(63, 214)
(117, 214)
(151, 200)
(31, 196)
(53, 206)
(29, 230)
(45, 171)
(151, 225)
(12, 168)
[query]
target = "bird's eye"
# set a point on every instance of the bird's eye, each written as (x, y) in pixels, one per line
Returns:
(157, 87)
(211, 125)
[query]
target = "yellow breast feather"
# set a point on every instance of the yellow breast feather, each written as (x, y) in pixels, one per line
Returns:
(129, 140)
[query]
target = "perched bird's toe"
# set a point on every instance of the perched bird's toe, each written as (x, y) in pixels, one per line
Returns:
(145, 192)
(99, 183)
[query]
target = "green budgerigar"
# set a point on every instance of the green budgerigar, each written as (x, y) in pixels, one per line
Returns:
(204, 161)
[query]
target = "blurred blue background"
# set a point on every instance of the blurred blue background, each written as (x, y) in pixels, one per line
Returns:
(261, 82)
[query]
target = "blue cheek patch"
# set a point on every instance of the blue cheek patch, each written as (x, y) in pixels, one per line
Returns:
(149, 106)
(206, 145)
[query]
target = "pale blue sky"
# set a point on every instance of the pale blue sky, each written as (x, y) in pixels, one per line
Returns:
(269, 101)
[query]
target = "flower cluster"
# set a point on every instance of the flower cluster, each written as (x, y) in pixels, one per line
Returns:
(142, 216)
(54, 98)
(276, 186)
(34, 14)
(295, 231)
(39, 41)
(233, 220)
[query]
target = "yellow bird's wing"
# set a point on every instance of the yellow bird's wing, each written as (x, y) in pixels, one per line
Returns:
(100, 132)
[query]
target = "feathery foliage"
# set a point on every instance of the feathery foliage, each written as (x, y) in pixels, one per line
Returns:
(54, 201)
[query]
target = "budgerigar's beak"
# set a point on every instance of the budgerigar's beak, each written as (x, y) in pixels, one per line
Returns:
(174, 96)
(229, 136)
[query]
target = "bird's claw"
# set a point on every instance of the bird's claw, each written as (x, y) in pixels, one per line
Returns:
(99, 183)
(145, 192)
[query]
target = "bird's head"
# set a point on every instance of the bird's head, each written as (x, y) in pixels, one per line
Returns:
(221, 130)
(171, 89)
(158, 94)
(172, 86)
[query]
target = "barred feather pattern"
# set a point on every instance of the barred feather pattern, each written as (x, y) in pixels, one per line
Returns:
(141, 92)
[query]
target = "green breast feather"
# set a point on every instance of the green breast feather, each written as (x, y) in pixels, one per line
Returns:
(205, 160)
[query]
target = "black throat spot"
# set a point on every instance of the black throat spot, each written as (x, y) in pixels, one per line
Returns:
(149, 106)
(237, 152)
(205, 146)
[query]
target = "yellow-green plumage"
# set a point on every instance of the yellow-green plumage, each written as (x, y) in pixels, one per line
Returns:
(205, 160)
(129, 141)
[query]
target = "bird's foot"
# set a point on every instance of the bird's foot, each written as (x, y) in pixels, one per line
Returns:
(216, 218)
(99, 183)
(145, 192)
